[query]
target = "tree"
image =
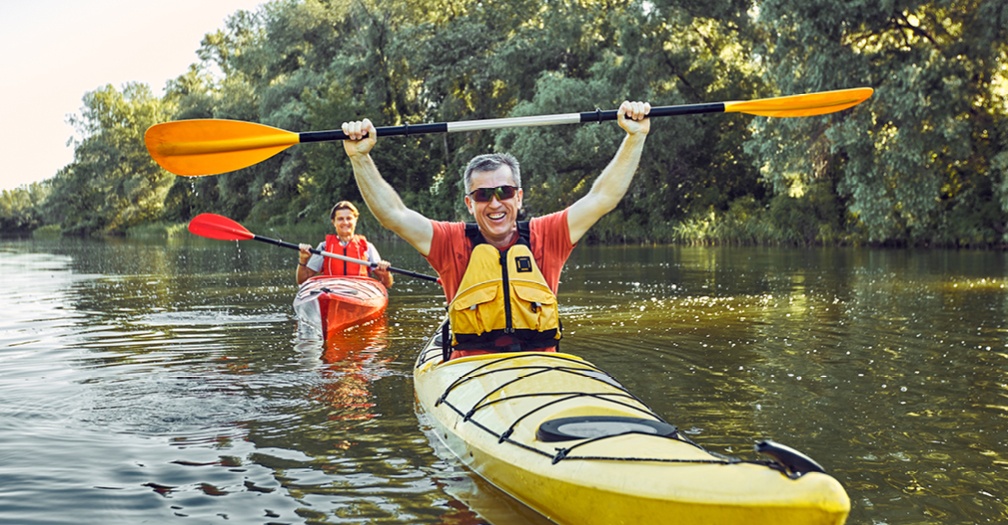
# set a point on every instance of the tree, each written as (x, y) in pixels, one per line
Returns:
(666, 53)
(923, 149)
(20, 208)
(112, 183)
(922, 162)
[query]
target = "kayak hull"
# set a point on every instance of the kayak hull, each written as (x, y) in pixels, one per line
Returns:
(330, 304)
(494, 412)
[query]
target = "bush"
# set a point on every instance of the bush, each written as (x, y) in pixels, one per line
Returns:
(48, 231)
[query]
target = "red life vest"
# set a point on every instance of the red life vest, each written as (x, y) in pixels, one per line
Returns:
(357, 248)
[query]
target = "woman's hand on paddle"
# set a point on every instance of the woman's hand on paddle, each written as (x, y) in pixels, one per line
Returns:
(305, 252)
(362, 137)
(382, 274)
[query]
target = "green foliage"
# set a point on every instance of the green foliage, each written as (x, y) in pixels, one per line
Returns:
(157, 230)
(20, 208)
(924, 144)
(922, 162)
(812, 219)
(113, 183)
(49, 231)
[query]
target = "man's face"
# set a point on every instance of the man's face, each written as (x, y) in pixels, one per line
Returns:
(496, 218)
(345, 223)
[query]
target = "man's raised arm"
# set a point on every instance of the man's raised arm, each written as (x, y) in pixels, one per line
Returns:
(381, 198)
(612, 184)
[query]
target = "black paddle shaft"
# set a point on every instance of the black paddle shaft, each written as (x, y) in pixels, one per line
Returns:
(569, 118)
(286, 244)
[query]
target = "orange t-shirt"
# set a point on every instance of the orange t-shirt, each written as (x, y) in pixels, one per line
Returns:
(549, 237)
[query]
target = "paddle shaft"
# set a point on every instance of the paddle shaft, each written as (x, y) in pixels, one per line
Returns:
(513, 122)
(285, 244)
(201, 147)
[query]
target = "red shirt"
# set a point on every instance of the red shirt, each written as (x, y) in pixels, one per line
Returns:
(549, 237)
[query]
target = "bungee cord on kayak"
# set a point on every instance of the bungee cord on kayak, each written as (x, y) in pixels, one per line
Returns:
(577, 444)
(587, 370)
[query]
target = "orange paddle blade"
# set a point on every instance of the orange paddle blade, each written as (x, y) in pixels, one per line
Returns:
(806, 105)
(213, 146)
(219, 227)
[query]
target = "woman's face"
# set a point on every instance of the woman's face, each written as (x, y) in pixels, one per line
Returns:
(345, 223)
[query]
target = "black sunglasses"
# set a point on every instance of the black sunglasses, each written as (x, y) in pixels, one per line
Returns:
(502, 193)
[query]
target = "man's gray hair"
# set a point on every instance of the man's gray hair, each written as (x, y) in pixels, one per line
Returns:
(490, 162)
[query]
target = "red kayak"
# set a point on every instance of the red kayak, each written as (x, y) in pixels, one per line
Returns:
(329, 304)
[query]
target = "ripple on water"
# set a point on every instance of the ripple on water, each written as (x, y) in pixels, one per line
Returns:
(179, 390)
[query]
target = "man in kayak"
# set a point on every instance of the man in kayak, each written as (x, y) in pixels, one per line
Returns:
(500, 276)
(344, 242)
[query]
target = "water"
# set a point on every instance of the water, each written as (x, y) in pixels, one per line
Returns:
(152, 382)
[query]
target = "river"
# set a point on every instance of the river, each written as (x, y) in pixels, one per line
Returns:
(168, 381)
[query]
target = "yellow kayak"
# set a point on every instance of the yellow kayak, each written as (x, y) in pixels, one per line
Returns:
(566, 439)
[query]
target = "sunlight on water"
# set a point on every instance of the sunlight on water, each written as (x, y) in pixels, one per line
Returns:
(152, 382)
(892, 375)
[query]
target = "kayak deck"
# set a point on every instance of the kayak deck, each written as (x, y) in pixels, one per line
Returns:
(330, 304)
(566, 439)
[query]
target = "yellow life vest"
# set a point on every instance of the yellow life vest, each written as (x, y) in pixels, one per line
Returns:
(504, 303)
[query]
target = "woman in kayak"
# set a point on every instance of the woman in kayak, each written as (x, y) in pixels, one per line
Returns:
(500, 276)
(344, 242)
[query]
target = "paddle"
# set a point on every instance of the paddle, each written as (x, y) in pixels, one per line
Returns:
(221, 228)
(213, 146)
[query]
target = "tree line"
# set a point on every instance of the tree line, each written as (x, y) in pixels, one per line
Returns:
(923, 162)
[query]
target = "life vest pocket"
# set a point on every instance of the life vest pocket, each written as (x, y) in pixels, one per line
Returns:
(469, 316)
(536, 307)
(503, 303)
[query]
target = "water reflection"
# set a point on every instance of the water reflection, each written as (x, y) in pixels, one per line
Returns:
(354, 358)
(151, 381)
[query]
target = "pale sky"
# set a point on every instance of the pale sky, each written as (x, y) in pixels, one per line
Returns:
(52, 52)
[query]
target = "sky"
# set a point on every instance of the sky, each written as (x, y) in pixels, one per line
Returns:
(55, 51)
